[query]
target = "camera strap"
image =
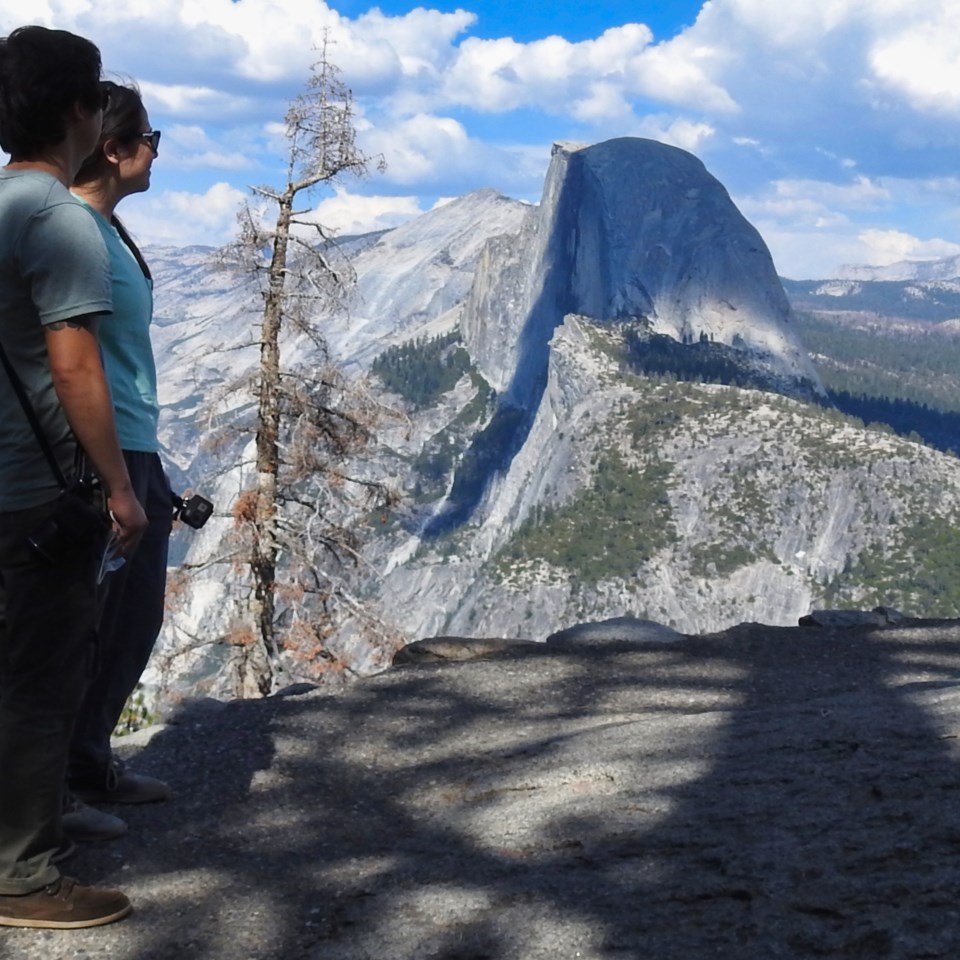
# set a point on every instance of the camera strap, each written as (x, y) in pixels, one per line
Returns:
(31, 416)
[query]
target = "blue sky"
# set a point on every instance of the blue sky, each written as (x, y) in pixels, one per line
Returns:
(572, 20)
(834, 124)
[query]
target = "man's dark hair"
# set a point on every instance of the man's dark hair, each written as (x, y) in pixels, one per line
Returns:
(43, 73)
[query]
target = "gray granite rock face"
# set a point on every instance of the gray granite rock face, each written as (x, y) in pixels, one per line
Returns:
(761, 793)
(878, 617)
(623, 632)
(629, 228)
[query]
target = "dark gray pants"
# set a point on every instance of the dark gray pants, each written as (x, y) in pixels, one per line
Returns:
(129, 625)
(47, 613)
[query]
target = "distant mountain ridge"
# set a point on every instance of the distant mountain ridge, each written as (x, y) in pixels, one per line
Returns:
(927, 291)
(928, 271)
(927, 301)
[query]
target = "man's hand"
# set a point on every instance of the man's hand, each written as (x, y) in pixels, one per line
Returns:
(129, 520)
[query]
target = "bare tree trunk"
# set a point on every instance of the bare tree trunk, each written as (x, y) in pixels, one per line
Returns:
(263, 564)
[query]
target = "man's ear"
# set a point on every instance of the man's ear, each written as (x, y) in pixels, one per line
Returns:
(80, 112)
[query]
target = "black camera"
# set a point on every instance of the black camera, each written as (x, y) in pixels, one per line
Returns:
(195, 511)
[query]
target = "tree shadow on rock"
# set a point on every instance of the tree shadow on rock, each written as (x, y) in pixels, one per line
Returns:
(761, 793)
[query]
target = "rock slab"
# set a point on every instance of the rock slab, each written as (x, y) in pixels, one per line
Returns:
(760, 793)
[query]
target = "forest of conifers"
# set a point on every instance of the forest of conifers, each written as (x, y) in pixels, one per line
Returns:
(904, 375)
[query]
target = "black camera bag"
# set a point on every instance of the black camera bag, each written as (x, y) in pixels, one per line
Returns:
(78, 523)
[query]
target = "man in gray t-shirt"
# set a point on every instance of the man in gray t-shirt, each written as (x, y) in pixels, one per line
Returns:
(53, 269)
(54, 282)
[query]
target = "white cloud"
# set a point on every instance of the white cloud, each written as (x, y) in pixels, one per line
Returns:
(188, 147)
(183, 100)
(605, 101)
(436, 153)
(882, 247)
(921, 60)
(678, 72)
(276, 36)
(790, 23)
(179, 218)
(811, 226)
(378, 51)
(844, 162)
(416, 148)
(685, 134)
(815, 210)
(860, 193)
(502, 74)
(875, 56)
(810, 254)
(800, 213)
(349, 213)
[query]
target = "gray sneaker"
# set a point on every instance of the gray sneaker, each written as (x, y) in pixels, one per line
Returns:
(121, 785)
(63, 904)
(87, 824)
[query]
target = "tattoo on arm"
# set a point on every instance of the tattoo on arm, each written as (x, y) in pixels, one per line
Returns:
(75, 323)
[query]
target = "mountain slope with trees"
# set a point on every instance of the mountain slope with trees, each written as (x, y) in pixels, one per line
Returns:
(693, 504)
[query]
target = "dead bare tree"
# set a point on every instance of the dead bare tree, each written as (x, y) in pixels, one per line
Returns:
(299, 516)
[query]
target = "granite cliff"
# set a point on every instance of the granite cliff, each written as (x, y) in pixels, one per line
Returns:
(629, 228)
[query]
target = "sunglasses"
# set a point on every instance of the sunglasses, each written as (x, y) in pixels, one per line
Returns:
(152, 137)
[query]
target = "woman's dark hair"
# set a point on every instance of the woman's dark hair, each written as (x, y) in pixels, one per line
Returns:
(43, 73)
(122, 120)
(134, 249)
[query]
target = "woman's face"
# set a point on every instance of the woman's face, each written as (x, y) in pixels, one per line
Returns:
(136, 158)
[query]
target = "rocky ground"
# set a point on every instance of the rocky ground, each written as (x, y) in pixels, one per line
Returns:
(761, 793)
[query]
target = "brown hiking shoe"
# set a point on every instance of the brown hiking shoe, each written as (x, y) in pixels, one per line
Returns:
(63, 904)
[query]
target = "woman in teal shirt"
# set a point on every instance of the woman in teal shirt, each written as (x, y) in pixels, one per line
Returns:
(133, 610)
